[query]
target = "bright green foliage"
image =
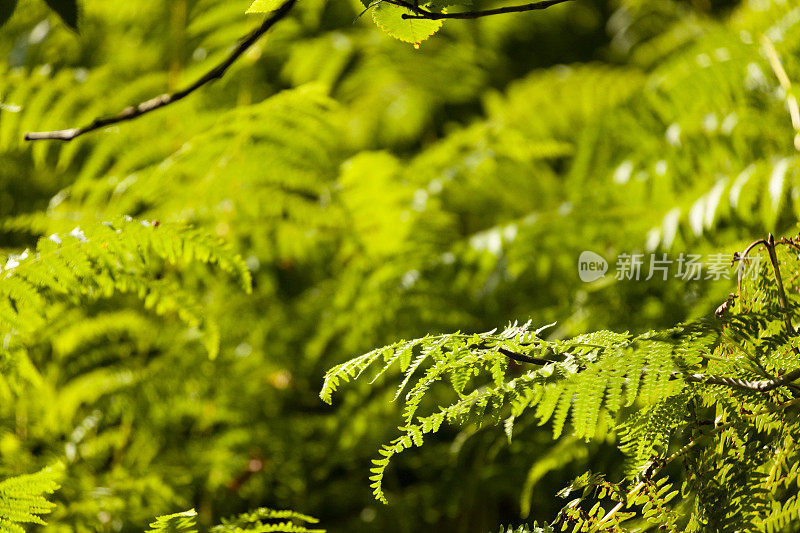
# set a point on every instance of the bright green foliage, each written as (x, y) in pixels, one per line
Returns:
(82, 267)
(377, 192)
(747, 436)
(652, 497)
(263, 6)
(586, 377)
(264, 520)
(389, 18)
(102, 259)
(526, 529)
(185, 522)
(23, 499)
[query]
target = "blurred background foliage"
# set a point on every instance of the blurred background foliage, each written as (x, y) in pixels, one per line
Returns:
(376, 192)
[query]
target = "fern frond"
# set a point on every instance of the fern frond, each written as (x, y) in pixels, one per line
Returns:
(583, 376)
(646, 434)
(265, 520)
(528, 529)
(185, 522)
(97, 260)
(23, 499)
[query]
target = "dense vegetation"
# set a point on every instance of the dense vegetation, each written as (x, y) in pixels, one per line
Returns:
(184, 296)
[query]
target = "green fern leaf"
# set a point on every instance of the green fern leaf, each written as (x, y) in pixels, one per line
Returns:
(185, 522)
(22, 499)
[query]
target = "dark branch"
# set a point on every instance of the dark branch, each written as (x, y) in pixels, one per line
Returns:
(430, 15)
(164, 100)
(520, 358)
(752, 245)
(773, 257)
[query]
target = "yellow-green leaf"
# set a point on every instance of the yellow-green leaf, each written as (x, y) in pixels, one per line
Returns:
(388, 17)
(264, 6)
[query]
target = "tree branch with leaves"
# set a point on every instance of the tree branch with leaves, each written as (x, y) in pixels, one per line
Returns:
(413, 26)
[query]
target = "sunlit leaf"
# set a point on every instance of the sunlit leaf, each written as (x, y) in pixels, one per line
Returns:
(389, 18)
(264, 6)
(184, 522)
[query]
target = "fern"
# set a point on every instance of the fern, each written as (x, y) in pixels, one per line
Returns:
(23, 499)
(264, 520)
(527, 529)
(184, 522)
(389, 192)
(669, 379)
(261, 520)
(105, 258)
(647, 433)
(582, 378)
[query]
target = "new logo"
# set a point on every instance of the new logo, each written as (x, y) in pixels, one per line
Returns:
(591, 266)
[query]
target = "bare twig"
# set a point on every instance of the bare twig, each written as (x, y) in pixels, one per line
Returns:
(520, 358)
(164, 100)
(430, 15)
(751, 246)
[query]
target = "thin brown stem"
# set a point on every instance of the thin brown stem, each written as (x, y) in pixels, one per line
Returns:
(421, 13)
(520, 358)
(773, 257)
(135, 111)
(742, 258)
(753, 245)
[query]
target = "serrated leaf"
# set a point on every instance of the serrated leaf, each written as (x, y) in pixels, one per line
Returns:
(67, 10)
(7, 8)
(264, 6)
(389, 18)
